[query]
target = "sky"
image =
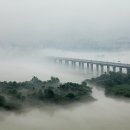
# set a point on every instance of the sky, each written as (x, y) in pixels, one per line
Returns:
(61, 23)
(32, 29)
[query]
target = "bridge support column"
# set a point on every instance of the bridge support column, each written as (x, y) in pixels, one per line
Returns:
(92, 67)
(102, 69)
(87, 66)
(128, 70)
(82, 66)
(120, 69)
(97, 67)
(108, 69)
(66, 62)
(73, 64)
(114, 69)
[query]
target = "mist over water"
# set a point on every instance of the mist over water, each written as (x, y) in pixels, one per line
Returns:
(30, 30)
(21, 65)
(105, 113)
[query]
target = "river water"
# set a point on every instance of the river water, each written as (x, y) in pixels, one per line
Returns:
(103, 114)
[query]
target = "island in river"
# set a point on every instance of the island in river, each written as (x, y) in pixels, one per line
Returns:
(115, 84)
(16, 95)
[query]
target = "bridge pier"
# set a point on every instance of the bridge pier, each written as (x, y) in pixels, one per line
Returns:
(108, 68)
(82, 66)
(66, 62)
(97, 67)
(73, 64)
(114, 68)
(102, 69)
(92, 67)
(120, 69)
(128, 70)
(87, 66)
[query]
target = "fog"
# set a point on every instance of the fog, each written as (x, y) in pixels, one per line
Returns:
(66, 24)
(105, 113)
(31, 30)
(19, 65)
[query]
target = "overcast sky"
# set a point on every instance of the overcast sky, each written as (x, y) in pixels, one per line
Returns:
(63, 21)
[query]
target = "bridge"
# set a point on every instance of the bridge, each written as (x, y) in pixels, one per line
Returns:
(100, 65)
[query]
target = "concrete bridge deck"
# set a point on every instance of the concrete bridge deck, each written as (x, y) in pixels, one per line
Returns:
(123, 65)
(90, 64)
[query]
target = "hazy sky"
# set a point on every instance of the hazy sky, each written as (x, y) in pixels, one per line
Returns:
(63, 21)
(60, 23)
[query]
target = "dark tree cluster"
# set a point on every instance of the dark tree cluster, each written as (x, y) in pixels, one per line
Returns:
(16, 95)
(115, 83)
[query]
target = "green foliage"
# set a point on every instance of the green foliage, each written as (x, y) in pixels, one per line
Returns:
(116, 84)
(35, 92)
(118, 90)
(55, 80)
(40, 95)
(2, 101)
(70, 96)
(49, 93)
(84, 83)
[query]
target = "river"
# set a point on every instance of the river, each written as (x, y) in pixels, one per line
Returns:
(103, 114)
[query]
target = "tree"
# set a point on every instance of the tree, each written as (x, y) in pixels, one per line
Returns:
(49, 93)
(84, 83)
(2, 101)
(35, 80)
(40, 95)
(55, 80)
(70, 96)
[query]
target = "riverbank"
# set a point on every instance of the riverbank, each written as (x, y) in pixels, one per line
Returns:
(115, 84)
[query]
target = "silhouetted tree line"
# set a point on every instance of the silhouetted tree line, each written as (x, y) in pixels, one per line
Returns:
(115, 83)
(15, 95)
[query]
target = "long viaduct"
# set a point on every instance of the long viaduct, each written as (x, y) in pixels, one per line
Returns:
(100, 65)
